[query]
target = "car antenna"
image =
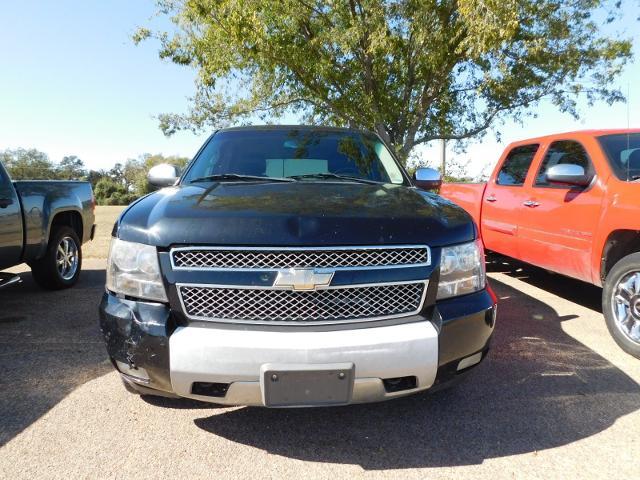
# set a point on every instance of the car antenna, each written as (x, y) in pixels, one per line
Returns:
(628, 128)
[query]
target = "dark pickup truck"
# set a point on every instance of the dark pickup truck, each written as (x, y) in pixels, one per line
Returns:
(294, 266)
(44, 224)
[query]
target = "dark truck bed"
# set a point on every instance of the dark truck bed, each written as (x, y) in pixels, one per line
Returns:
(35, 213)
(47, 201)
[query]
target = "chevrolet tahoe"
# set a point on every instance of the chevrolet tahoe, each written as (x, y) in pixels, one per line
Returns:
(294, 266)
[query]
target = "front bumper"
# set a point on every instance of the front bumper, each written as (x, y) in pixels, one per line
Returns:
(155, 355)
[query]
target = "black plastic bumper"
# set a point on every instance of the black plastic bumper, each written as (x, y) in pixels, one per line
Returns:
(462, 333)
(137, 333)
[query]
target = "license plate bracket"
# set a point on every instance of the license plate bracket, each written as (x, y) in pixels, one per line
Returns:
(301, 385)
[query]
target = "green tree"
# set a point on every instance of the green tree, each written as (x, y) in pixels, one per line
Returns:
(94, 176)
(28, 164)
(71, 168)
(112, 192)
(412, 70)
(117, 173)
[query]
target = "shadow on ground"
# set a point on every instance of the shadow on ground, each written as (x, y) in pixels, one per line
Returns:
(50, 343)
(538, 389)
(582, 293)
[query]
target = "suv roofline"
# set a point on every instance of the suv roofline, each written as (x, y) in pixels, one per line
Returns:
(296, 127)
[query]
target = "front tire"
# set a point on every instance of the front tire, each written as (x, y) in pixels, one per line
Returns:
(60, 267)
(621, 303)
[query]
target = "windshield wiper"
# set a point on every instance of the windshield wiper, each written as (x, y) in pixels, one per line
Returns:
(240, 178)
(332, 176)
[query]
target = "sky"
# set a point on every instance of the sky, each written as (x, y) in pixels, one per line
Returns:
(73, 83)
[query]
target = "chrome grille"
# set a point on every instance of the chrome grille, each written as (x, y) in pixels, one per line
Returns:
(273, 306)
(259, 258)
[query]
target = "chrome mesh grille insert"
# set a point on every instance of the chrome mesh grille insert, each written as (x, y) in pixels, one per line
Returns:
(194, 258)
(286, 306)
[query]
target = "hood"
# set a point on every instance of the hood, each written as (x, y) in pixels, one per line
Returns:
(294, 214)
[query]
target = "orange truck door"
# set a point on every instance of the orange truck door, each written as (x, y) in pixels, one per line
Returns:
(503, 201)
(558, 228)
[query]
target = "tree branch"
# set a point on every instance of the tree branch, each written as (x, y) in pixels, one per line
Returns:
(486, 123)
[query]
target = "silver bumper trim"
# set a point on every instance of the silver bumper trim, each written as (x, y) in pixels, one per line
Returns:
(237, 356)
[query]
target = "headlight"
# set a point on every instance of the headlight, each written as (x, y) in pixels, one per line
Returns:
(462, 270)
(133, 270)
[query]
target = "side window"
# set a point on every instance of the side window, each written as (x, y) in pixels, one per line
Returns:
(4, 179)
(563, 152)
(516, 165)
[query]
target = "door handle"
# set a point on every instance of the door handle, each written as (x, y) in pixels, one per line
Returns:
(531, 204)
(5, 202)
(491, 198)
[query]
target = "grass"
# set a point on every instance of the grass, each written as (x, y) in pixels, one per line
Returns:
(105, 218)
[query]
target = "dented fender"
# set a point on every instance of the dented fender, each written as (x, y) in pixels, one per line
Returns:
(137, 333)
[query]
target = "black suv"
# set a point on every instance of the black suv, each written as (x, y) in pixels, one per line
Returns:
(294, 266)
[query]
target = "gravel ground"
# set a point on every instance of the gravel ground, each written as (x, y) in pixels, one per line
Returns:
(556, 398)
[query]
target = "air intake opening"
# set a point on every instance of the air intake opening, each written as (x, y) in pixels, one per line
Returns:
(209, 389)
(400, 383)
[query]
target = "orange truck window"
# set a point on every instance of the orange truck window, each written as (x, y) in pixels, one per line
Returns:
(515, 167)
(564, 152)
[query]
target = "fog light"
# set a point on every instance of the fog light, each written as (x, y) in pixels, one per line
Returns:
(136, 373)
(400, 383)
(210, 389)
(469, 361)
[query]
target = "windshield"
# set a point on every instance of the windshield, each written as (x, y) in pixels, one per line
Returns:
(303, 154)
(623, 152)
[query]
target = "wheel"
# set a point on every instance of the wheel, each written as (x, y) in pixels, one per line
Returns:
(61, 264)
(621, 303)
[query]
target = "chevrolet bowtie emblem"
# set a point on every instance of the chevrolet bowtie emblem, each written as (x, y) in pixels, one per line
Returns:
(303, 278)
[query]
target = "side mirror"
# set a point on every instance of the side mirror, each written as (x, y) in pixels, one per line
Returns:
(163, 175)
(568, 174)
(427, 179)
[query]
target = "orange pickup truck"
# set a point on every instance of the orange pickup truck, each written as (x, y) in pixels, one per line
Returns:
(569, 203)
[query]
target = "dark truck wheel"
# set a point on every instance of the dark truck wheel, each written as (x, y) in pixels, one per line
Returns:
(61, 264)
(621, 303)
